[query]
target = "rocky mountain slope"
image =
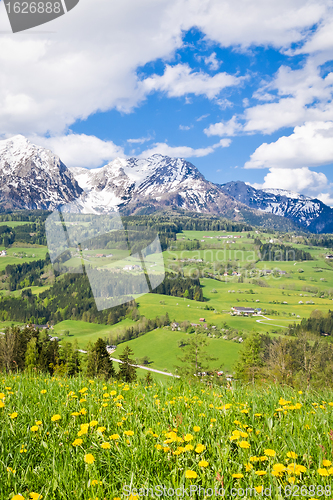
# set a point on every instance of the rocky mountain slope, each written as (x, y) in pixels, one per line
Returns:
(133, 184)
(33, 177)
(309, 213)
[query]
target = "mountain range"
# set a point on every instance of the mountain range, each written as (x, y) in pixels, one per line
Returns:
(32, 177)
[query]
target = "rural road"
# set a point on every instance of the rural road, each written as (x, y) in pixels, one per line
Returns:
(269, 319)
(148, 369)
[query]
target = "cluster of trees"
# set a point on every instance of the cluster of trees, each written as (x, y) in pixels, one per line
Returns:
(26, 274)
(278, 252)
(69, 298)
(32, 350)
(320, 241)
(143, 326)
(317, 323)
(181, 286)
(304, 361)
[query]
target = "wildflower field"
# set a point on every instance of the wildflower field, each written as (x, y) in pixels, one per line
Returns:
(85, 439)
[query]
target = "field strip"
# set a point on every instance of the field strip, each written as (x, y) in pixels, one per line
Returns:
(148, 369)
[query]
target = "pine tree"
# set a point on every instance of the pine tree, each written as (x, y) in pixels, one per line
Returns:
(251, 360)
(31, 355)
(196, 359)
(99, 362)
(127, 372)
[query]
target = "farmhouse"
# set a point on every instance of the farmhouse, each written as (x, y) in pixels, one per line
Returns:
(239, 311)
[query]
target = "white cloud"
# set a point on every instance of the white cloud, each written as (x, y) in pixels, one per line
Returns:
(310, 145)
(259, 22)
(326, 198)
(89, 62)
(303, 95)
(224, 128)
(300, 180)
(212, 62)
(202, 117)
(185, 127)
(183, 151)
(139, 140)
(80, 150)
(180, 80)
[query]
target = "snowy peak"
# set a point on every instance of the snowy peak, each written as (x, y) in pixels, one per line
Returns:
(287, 194)
(122, 181)
(33, 177)
(307, 212)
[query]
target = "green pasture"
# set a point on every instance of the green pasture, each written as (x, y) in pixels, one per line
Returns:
(161, 346)
(11, 223)
(85, 332)
(19, 254)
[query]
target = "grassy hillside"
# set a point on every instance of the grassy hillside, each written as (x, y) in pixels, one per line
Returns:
(87, 439)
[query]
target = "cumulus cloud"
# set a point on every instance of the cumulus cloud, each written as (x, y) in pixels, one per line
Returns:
(89, 62)
(301, 94)
(300, 180)
(80, 150)
(180, 80)
(183, 151)
(228, 128)
(310, 145)
(212, 62)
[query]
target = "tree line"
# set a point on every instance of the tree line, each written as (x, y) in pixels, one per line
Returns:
(279, 252)
(302, 362)
(31, 350)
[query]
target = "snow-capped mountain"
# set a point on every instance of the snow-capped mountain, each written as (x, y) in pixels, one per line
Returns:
(309, 213)
(33, 177)
(158, 181)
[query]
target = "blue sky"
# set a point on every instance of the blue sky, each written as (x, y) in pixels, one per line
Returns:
(241, 89)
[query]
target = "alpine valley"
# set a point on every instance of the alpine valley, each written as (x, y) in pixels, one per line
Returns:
(32, 177)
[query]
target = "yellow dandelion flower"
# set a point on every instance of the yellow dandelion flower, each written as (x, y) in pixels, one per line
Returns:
(260, 472)
(248, 467)
(129, 433)
(323, 472)
(18, 497)
(35, 496)
(269, 452)
(9, 469)
(114, 437)
(196, 428)
(77, 442)
(93, 423)
(200, 448)
(244, 444)
(188, 437)
(189, 447)
(43, 391)
(327, 463)
(259, 489)
(39, 422)
(191, 474)
(101, 429)
(89, 458)
(238, 475)
(13, 415)
(292, 454)
(34, 428)
(55, 418)
(203, 463)
(105, 446)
